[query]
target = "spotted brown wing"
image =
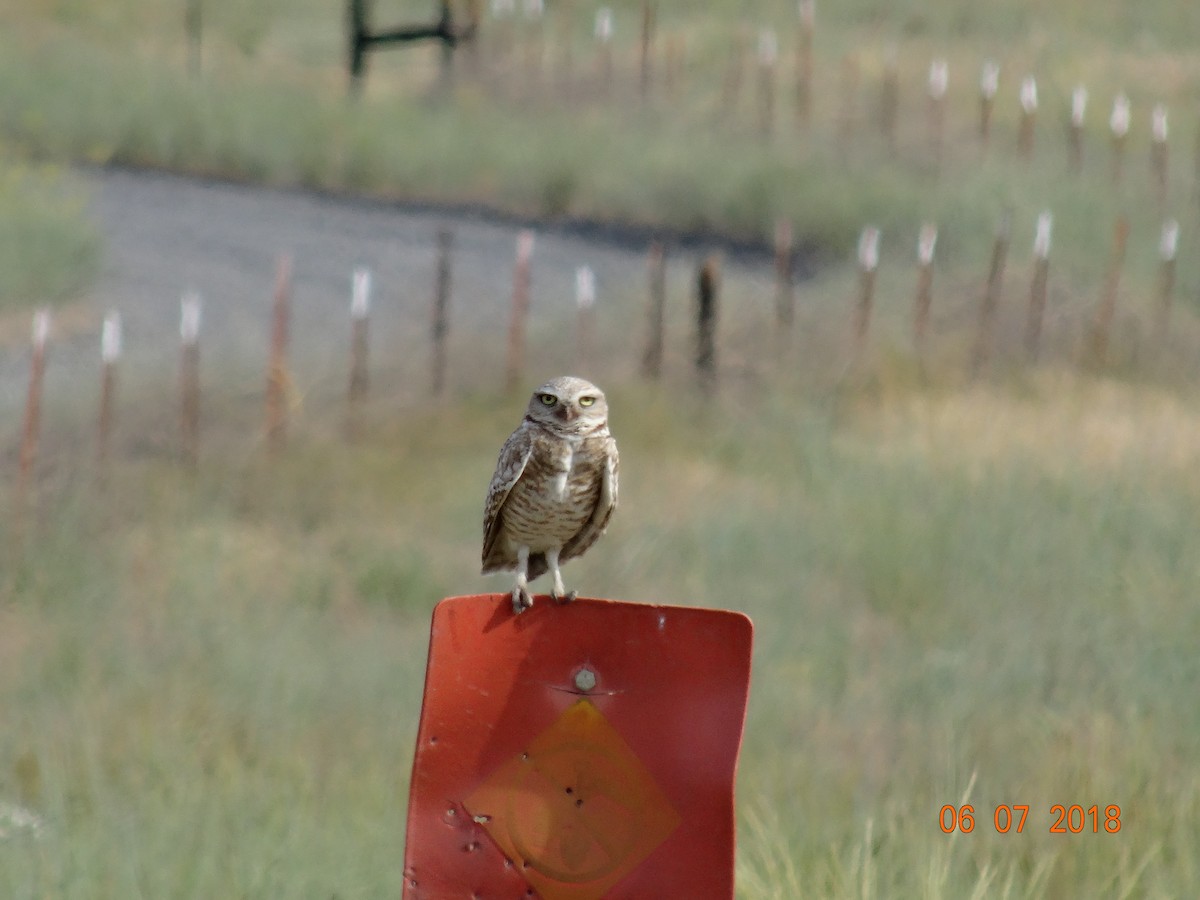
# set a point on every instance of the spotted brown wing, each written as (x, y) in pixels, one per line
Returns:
(606, 502)
(514, 456)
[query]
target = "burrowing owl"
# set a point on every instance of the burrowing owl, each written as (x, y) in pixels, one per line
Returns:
(554, 489)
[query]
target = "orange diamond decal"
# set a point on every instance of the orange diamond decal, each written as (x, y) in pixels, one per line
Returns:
(577, 810)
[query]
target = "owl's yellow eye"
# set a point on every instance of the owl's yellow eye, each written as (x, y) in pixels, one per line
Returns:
(586, 401)
(547, 399)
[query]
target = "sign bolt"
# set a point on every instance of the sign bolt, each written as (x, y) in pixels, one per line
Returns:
(585, 679)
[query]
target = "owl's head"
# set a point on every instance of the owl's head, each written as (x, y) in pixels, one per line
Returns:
(569, 405)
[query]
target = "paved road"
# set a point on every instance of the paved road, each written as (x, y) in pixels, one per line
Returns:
(165, 234)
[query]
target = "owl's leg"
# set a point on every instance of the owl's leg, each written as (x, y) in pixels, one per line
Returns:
(521, 600)
(559, 591)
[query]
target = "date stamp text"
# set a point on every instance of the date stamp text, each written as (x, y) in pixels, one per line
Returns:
(1012, 818)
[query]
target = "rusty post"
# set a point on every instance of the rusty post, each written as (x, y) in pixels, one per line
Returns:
(360, 312)
(1196, 167)
(785, 299)
(991, 295)
(502, 35)
(31, 425)
(534, 32)
(585, 310)
(657, 271)
(731, 89)
(646, 59)
(110, 352)
(926, 243)
(189, 377)
(445, 79)
(804, 61)
(847, 103)
(1168, 245)
(889, 99)
(1079, 98)
(989, 84)
(277, 374)
(1029, 105)
(939, 82)
(1118, 123)
(565, 76)
(520, 309)
(193, 27)
(707, 288)
(768, 56)
(471, 46)
(1102, 323)
(1037, 288)
(673, 69)
(1158, 153)
(868, 263)
(604, 56)
(441, 310)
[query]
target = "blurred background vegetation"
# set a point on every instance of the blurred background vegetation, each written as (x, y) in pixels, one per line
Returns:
(966, 591)
(525, 124)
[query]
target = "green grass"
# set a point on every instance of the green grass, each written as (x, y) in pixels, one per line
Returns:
(981, 597)
(113, 87)
(965, 592)
(48, 250)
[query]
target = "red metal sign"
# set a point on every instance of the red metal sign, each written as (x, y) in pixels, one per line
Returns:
(577, 751)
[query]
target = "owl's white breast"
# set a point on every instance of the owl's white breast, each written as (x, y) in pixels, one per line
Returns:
(566, 465)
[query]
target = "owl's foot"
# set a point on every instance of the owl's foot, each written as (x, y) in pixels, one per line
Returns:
(521, 599)
(559, 590)
(563, 597)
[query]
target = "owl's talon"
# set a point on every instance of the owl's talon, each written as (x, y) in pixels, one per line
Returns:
(566, 598)
(521, 600)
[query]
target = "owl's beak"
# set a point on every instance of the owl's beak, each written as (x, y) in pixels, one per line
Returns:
(568, 412)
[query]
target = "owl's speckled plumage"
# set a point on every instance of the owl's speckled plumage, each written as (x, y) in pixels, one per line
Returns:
(555, 486)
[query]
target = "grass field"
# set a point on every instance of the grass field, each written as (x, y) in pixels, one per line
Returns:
(525, 127)
(966, 592)
(528, 130)
(210, 683)
(48, 251)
